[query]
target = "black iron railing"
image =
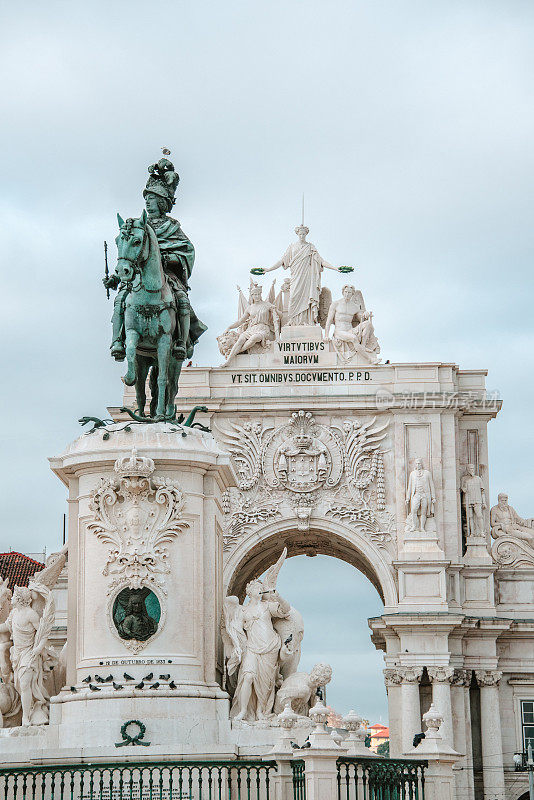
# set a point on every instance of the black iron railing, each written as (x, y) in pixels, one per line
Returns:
(299, 780)
(183, 780)
(380, 779)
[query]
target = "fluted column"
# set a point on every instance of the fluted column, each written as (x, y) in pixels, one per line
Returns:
(490, 725)
(441, 678)
(410, 705)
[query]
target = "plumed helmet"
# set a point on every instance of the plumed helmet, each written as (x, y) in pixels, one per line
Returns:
(162, 181)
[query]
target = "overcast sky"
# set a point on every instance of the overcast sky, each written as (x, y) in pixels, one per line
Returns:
(407, 123)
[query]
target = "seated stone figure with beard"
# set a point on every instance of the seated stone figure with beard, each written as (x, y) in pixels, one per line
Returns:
(300, 689)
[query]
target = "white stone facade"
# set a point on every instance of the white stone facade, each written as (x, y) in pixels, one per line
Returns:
(316, 447)
(458, 621)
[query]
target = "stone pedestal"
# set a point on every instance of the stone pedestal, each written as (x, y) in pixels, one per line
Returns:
(306, 333)
(145, 592)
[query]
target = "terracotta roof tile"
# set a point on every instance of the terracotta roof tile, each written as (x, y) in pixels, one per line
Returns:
(18, 568)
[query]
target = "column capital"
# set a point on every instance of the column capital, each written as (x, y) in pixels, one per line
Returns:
(394, 676)
(488, 677)
(461, 677)
(441, 674)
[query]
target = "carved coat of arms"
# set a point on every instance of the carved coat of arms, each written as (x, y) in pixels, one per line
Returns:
(303, 456)
(303, 465)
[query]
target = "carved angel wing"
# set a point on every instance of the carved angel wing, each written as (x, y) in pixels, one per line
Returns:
(271, 296)
(271, 575)
(245, 443)
(46, 622)
(241, 303)
(357, 298)
(54, 565)
(361, 442)
(325, 301)
(233, 635)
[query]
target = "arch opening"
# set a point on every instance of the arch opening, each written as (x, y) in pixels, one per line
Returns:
(257, 552)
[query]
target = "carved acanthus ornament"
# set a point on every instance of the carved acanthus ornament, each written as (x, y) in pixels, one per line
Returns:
(137, 514)
(488, 677)
(441, 674)
(395, 676)
(307, 467)
(461, 677)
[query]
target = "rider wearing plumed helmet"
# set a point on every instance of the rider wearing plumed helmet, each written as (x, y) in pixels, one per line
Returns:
(177, 255)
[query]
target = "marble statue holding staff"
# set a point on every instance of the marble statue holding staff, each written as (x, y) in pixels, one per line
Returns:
(305, 265)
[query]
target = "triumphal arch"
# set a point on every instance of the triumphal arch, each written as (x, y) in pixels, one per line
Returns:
(179, 677)
(384, 465)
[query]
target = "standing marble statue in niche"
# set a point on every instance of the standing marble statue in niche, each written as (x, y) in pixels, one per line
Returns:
(305, 265)
(505, 521)
(420, 497)
(474, 501)
(136, 614)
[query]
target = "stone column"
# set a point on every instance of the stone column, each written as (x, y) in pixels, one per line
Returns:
(410, 705)
(461, 723)
(393, 681)
(441, 678)
(490, 725)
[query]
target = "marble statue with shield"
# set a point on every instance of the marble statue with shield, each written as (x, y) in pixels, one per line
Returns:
(154, 325)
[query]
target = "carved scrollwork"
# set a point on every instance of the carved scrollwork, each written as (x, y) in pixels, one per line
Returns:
(137, 515)
(308, 467)
(508, 551)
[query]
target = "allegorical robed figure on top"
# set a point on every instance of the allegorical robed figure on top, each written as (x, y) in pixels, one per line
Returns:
(154, 325)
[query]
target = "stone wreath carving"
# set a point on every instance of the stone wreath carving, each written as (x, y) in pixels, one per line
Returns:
(137, 514)
(304, 464)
